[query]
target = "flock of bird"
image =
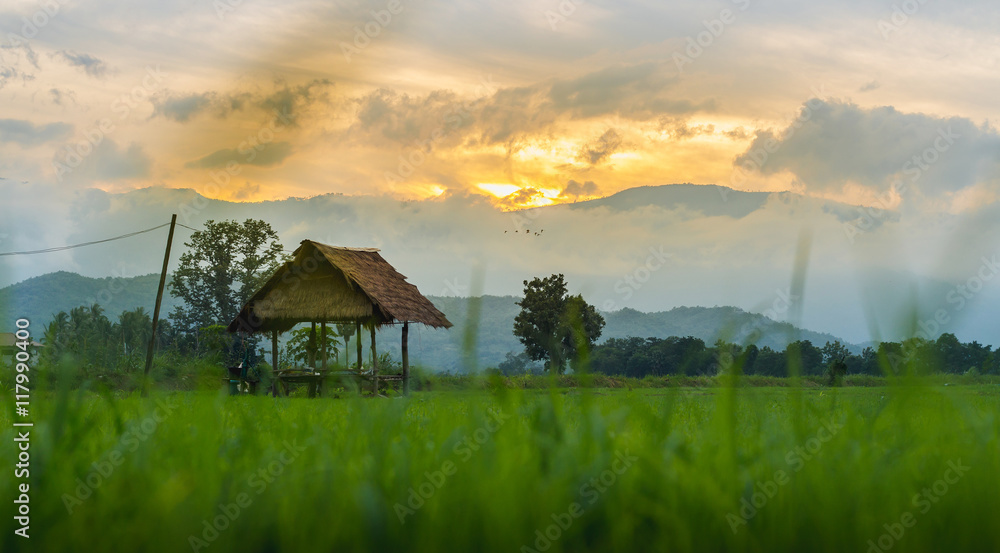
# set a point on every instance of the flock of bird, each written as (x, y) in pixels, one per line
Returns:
(527, 232)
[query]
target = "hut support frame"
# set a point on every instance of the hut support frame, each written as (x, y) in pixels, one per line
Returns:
(343, 286)
(404, 347)
(358, 333)
(374, 364)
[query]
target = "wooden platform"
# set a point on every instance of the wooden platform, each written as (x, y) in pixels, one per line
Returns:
(317, 379)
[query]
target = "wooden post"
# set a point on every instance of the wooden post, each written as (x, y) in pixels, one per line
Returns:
(274, 351)
(347, 353)
(311, 348)
(374, 364)
(274, 363)
(358, 332)
(406, 358)
(322, 341)
(156, 307)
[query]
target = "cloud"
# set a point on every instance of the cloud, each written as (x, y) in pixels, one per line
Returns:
(601, 149)
(12, 62)
(286, 100)
(90, 65)
(575, 189)
(509, 115)
(870, 86)
(272, 154)
(58, 96)
(739, 133)
(679, 129)
(246, 192)
(635, 92)
(833, 143)
(112, 162)
(182, 108)
(522, 197)
(28, 134)
(290, 100)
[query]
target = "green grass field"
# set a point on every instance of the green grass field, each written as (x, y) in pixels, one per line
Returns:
(900, 468)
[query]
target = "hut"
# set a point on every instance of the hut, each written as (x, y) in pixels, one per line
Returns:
(324, 284)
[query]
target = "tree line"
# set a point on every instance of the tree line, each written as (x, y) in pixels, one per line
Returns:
(559, 329)
(639, 357)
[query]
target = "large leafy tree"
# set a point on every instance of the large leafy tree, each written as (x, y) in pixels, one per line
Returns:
(222, 267)
(554, 326)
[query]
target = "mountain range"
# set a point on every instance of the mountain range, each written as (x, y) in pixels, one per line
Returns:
(868, 275)
(39, 298)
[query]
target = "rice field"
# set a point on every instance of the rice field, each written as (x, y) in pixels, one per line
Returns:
(901, 468)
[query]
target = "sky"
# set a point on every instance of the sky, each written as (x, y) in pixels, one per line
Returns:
(490, 107)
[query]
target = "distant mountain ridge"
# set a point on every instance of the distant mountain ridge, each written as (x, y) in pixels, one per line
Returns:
(709, 199)
(39, 298)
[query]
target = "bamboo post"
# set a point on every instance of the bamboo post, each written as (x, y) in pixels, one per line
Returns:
(312, 346)
(358, 332)
(274, 351)
(406, 358)
(374, 363)
(322, 341)
(274, 363)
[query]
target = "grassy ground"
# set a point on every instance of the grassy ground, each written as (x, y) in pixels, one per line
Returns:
(910, 468)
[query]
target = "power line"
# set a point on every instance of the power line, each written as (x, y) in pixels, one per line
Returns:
(62, 248)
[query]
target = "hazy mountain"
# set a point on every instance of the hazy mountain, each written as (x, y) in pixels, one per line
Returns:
(38, 299)
(41, 297)
(650, 248)
(708, 200)
(443, 348)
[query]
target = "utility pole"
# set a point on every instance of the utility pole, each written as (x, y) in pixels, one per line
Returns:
(156, 308)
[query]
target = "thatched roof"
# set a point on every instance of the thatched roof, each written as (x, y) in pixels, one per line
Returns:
(333, 284)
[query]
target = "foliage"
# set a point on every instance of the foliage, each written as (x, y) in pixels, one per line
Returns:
(640, 357)
(553, 326)
(41, 297)
(300, 352)
(518, 364)
(836, 371)
(222, 267)
(95, 343)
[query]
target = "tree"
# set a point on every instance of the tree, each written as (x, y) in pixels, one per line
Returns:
(835, 372)
(555, 327)
(833, 351)
(516, 364)
(770, 362)
(135, 329)
(224, 265)
(807, 355)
